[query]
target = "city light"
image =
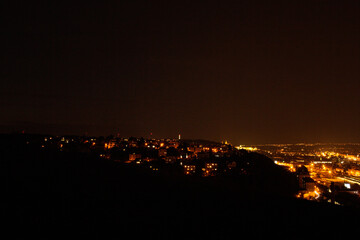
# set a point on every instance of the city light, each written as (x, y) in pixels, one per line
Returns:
(246, 148)
(337, 165)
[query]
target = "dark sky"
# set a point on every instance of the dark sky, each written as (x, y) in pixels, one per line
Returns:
(246, 71)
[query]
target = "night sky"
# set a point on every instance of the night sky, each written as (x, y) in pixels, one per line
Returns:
(249, 72)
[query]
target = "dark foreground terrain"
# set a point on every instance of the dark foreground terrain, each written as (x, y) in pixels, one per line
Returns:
(50, 194)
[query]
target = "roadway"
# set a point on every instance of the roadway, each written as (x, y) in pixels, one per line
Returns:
(350, 179)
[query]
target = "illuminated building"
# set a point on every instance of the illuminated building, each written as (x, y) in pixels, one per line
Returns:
(191, 149)
(194, 149)
(210, 169)
(110, 144)
(302, 172)
(134, 156)
(308, 183)
(215, 150)
(189, 169)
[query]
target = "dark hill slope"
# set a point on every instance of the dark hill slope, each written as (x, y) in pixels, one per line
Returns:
(56, 194)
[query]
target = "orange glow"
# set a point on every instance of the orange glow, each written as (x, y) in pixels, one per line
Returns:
(290, 165)
(354, 172)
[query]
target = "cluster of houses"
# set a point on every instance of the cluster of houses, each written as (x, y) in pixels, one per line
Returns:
(194, 157)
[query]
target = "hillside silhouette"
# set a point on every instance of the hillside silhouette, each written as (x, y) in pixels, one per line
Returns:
(48, 193)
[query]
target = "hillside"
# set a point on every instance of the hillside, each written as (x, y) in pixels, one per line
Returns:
(54, 194)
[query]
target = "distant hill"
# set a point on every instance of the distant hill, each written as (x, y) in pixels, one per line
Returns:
(200, 141)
